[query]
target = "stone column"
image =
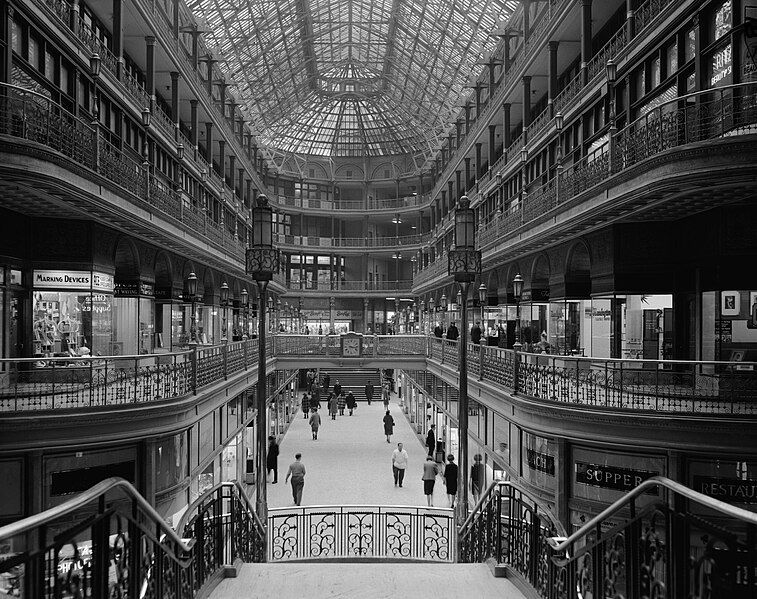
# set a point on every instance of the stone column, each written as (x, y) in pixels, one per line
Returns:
(467, 173)
(175, 102)
(332, 301)
(451, 195)
(552, 75)
(478, 160)
(118, 36)
(506, 141)
(222, 159)
(629, 20)
(492, 147)
(526, 102)
(209, 145)
(458, 188)
(586, 37)
(365, 314)
(150, 70)
(193, 124)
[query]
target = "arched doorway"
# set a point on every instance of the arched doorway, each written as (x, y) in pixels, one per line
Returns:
(133, 304)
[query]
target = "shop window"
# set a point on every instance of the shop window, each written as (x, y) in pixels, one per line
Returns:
(17, 37)
(170, 461)
(654, 73)
(671, 59)
(720, 67)
(33, 52)
(723, 20)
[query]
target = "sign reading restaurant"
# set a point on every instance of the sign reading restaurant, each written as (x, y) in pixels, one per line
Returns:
(72, 279)
(727, 489)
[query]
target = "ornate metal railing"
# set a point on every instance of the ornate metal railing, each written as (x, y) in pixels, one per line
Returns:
(109, 542)
(361, 531)
(511, 527)
(668, 386)
(696, 117)
(376, 346)
(661, 539)
(28, 115)
(352, 242)
(408, 202)
(337, 286)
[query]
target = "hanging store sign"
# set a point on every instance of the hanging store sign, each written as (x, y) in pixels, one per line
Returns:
(72, 279)
(727, 489)
(102, 282)
(540, 461)
(612, 477)
(134, 289)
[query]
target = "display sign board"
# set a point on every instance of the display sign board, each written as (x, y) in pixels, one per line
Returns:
(733, 490)
(72, 279)
(134, 289)
(612, 477)
(542, 462)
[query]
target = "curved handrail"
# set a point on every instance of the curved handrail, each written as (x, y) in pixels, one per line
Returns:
(357, 505)
(518, 487)
(91, 358)
(189, 512)
(560, 544)
(86, 497)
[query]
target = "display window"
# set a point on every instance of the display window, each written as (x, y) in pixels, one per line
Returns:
(729, 326)
(171, 455)
(730, 480)
(539, 461)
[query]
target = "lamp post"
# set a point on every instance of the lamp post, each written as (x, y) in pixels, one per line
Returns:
(270, 313)
(612, 74)
(262, 260)
(559, 122)
(244, 303)
(517, 292)
(482, 300)
(443, 306)
(465, 264)
(421, 318)
(191, 286)
(225, 307)
(431, 315)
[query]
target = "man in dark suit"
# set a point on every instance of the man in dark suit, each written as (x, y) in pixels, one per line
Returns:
(431, 440)
(452, 332)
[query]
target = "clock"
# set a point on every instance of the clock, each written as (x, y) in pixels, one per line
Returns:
(351, 347)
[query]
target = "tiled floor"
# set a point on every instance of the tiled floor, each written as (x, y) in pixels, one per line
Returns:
(366, 581)
(351, 462)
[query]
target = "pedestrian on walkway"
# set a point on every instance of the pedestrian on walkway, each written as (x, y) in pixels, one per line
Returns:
(452, 332)
(310, 375)
(388, 426)
(351, 403)
(430, 470)
(475, 333)
(476, 478)
(431, 440)
(385, 395)
(337, 388)
(438, 330)
(272, 459)
(399, 464)
(369, 392)
(326, 382)
(315, 401)
(450, 479)
(315, 423)
(305, 405)
(297, 473)
(342, 403)
(332, 406)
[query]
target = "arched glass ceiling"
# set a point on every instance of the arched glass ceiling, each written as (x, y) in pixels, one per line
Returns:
(351, 77)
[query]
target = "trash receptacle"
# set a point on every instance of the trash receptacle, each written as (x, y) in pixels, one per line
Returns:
(441, 452)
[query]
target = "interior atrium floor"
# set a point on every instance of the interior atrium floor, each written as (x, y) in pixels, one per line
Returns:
(351, 462)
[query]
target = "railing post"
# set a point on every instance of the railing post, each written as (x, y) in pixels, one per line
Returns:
(52, 390)
(516, 371)
(136, 378)
(193, 360)
(578, 385)
(225, 355)
(481, 362)
(620, 386)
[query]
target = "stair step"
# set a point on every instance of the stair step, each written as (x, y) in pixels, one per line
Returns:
(365, 580)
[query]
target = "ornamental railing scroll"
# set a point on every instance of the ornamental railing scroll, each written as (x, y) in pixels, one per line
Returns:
(661, 539)
(108, 541)
(656, 386)
(361, 532)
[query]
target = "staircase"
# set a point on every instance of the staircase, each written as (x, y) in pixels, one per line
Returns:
(365, 580)
(354, 380)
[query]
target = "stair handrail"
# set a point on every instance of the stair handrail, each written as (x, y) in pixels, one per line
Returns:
(235, 486)
(560, 544)
(88, 496)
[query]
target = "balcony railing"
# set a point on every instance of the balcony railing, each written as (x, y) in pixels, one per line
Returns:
(660, 539)
(361, 532)
(701, 116)
(404, 285)
(352, 242)
(27, 115)
(373, 204)
(653, 386)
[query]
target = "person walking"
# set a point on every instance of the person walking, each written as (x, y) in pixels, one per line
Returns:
(430, 470)
(310, 376)
(399, 464)
(332, 406)
(297, 473)
(326, 382)
(351, 403)
(315, 401)
(476, 478)
(475, 333)
(452, 332)
(450, 479)
(337, 388)
(342, 403)
(315, 423)
(305, 405)
(431, 440)
(272, 459)
(438, 330)
(388, 426)
(385, 395)
(369, 392)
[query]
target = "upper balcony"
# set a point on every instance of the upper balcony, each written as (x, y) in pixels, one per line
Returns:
(353, 244)
(350, 288)
(346, 207)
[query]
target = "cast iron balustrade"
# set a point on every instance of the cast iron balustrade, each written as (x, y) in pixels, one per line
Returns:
(352, 242)
(656, 386)
(28, 115)
(347, 286)
(700, 116)
(361, 531)
(661, 540)
(408, 202)
(109, 542)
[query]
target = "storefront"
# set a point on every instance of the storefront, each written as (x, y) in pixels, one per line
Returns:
(72, 313)
(133, 318)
